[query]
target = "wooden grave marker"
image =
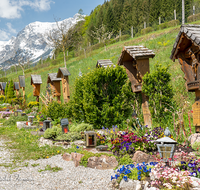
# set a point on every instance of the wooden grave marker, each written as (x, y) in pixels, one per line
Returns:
(55, 85)
(36, 81)
(63, 73)
(135, 59)
(187, 50)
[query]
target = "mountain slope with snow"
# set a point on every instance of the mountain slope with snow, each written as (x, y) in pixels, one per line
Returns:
(32, 40)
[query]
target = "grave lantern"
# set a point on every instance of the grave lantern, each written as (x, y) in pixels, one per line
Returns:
(30, 119)
(16, 112)
(64, 123)
(46, 124)
(166, 146)
(90, 138)
(7, 110)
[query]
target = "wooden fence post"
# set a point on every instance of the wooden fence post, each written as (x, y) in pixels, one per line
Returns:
(174, 14)
(145, 25)
(131, 31)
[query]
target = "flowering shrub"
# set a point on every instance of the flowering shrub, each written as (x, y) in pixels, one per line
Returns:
(41, 117)
(192, 166)
(169, 178)
(134, 172)
(128, 141)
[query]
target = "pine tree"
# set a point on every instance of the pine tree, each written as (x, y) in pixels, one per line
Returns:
(10, 91)
(6, 89)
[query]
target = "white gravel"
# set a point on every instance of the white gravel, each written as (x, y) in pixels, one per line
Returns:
(70, 177)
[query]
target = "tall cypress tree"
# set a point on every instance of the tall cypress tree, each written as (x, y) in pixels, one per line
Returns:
(10, 91)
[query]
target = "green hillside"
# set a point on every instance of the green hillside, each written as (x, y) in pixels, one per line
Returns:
(160, 42)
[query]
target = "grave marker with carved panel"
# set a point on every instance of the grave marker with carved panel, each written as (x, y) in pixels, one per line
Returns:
(16, 88)
(55, 85)
(36, 81)
(22, 84)
(63, 73)
(135, 59)
(187, 50)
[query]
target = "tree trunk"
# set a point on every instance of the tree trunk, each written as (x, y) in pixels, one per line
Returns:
(65, 59)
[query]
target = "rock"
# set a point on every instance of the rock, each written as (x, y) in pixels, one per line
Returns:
(76, 157)
(127, 185)
(195, 182)
(194, 138)
(138, 185)
(66, 143)
(102, 162)
(21, 124)
(140, 157)
(58, 143)
(43, 142)
(67, 157)
(40, 133)
(78, 143)
(102, 148)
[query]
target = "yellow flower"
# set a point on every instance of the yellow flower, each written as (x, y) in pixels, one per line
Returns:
(47, 157)
(58, 151)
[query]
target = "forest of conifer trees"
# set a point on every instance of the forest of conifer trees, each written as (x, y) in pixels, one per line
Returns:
(122, 15)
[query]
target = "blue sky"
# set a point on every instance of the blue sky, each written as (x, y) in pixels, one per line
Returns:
(16, 14)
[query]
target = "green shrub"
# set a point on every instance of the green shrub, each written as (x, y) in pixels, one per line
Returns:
(3, 79)
(173, 23)
(81, 127)
(52, 133)
(12, 120)
(56, 110)
(162, 26)
(146, 30)
(33, 104)
(2, 98)
(103, 97)
(10, 92)
(124, 37)
(125, 160)
(196, 146)
(70, 136)
(28, 71)
(193, 18)
(156, 85)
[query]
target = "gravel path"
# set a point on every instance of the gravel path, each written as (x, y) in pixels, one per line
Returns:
(28, 178)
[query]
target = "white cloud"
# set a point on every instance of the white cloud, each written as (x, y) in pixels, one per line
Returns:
(12, 8)
(10, 28)
(4, 35)
(9, 9)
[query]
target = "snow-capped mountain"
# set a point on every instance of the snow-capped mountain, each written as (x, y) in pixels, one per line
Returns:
(32, 40)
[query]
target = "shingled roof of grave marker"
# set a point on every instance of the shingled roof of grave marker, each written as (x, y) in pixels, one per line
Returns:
(134, 53)
(192, 34)
(36, 79)
(52, 77)
(16, 85)
(21, 81)
(63, 71)
(105, 63)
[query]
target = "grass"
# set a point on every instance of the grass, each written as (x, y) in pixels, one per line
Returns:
(49, 168)
(161, 42)
(25, 146)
